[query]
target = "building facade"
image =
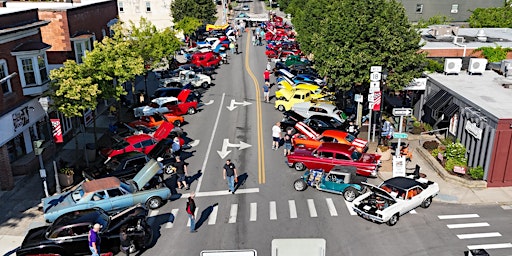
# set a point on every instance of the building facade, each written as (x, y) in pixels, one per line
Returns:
(158, 12)
(457, 11)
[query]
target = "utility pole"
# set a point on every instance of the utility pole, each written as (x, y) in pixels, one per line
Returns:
(38, 150)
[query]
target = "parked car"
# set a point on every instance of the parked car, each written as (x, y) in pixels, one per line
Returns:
(307, 109)
(207, 59)
(123, 166)
(68, 234)
(245, 7)
(307, 138)
(175, 92)
(394, 198)
(109, 194)
(328, 155)
(287, 86)
(340, 180)
(181, 105)
(292, 97)
(322, 123)
(187, 77)
(156, 120)
(298, 79)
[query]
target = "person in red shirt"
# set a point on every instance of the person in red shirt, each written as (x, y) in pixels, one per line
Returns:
(266, 76)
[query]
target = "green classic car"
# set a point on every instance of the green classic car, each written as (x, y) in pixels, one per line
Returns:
(340, 180)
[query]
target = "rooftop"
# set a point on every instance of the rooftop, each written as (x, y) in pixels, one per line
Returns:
(13, 5)
(500, 36)
(484, 90)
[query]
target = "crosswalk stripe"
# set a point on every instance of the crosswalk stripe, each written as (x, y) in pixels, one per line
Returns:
(195, 214)
(458, 216)
(332, 208)
(413, 211)
(213, 216)
(273, 212)
(174, 213)
(490, 246)
(312, 209)
(479, 235)
(349, 207)
(468, 225)
(506, 207)
(293, 209)
(253, 212)
(232, 213)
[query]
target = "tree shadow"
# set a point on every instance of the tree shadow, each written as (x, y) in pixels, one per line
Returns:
(241, 180)
(204, 215)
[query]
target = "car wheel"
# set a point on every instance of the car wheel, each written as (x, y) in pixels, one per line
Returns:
(426, 203)
(299, 166)
(154, 202)
(300, 185)
(205, 85)
(191, 111)
(221, 62)
(177, 123)
(393, 220)
(349, 194)
(280, 108)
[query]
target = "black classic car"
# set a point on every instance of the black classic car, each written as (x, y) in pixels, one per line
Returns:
(318, 123)
(68, 235)
(123, 166)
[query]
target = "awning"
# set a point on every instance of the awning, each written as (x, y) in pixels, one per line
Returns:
(450, 111)
(434, 105)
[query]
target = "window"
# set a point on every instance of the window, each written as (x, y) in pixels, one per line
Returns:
(148, 7)
(6, 85)
(455, 8)
(419, 8)
(82, 46)
(120, 6)
(342, 157)
(137, 8)
(34, 70)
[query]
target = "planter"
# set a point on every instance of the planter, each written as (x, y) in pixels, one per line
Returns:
(65, 180)
(385, 156)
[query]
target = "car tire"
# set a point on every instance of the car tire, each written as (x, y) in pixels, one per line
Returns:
(299, 166)
(191, 111)
(349, 194)
(393, 220)
(281, 108)
(300, 185)
(205, 85)
(426, 203)
(154, 202)
(177, 123)
(221, 62)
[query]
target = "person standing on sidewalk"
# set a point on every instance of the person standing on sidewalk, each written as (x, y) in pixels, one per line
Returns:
(94, 240)
(191, 209)
(230, 173)
(276, 135)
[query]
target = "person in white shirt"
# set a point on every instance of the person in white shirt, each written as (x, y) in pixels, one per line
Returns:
(276, 135)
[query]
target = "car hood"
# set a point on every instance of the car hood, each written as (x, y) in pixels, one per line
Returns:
(369, 158)
(286, 84)
(57, 202)
(378, 191)
(360, 143)
(306, 86)
(163, 131)
(146, 173)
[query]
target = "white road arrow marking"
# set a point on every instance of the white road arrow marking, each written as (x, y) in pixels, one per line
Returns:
(224, 152)
(194, 143)
(209, 102)
(233, 103)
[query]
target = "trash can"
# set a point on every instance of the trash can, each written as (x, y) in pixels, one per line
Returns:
(90, 150)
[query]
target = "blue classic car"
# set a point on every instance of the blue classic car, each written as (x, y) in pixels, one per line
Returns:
(109, 194)
(340, 180)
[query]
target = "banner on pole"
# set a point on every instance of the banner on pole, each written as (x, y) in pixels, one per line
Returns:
(377, 98)
(57, 130)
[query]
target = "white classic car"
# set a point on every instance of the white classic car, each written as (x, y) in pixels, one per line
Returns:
(157, 106)
(307, 109)
(394, 198)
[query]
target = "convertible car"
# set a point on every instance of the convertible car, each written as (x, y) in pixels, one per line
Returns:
(68, 235)
(109, 194)
(394, 198)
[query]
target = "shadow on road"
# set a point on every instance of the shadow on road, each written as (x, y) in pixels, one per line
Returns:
(204, 215)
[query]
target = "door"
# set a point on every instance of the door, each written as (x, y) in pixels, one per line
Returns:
(119, 198)
(100, 199)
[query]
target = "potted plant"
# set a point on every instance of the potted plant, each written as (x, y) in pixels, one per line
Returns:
(384, 152)
(66, 176)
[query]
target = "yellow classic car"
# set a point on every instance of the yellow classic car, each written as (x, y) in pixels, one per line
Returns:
(287, 87)
(289, 98)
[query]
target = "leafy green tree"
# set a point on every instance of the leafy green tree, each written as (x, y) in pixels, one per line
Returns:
(494, 17)
(203, 10)
(292, 6)
(188, 25)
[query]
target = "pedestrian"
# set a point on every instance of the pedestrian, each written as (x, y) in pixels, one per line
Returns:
(181, 171)
(276, 135)
(262, 34)
(230, 173)
(269, 65)
(287, 143)
(259, 41)
(236, 47)
(266, 76)
(266, 92)
(191, 209)
(352, 129)
(385, 131)
(253, 40)
(232, 47)
(176, 147)
(94, 239)
(125, 241)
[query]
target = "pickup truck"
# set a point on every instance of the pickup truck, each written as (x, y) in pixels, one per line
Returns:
(187, 77)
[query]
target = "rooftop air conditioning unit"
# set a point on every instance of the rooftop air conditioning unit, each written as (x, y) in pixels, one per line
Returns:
(506, 67)
(458, 40)
(477, 65)
(452, 66)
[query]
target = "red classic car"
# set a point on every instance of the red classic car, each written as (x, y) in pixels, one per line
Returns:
(156, 120)
(206, 59)
(140, 142)
(328, 155)
(307, 138)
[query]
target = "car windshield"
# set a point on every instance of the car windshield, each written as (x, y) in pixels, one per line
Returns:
(335, 122)
(355, 155)
(350, 138)
(120, 145)
(78, 222)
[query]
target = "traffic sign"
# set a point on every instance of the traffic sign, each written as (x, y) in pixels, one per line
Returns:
(374, 87)
(376, 69)
(375, 76)
(370, 97)
(358, 98)
(402, 111)
(400, 135)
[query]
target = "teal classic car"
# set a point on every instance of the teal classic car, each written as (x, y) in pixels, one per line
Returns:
(109, 194)
(340, 180)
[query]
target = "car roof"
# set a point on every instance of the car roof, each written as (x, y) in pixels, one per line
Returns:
(329, 107)
(402, 182)
(101, 184)
(128, 155)
(336, 146)
(163, 100)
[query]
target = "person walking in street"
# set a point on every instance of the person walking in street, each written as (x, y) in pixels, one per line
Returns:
(236, 47)
(94, 240)
(230, 173)
(287, 143)
(253, 40)
(266, 92)
(181, 171)
(276, 135)
(176, 147)
(266, 76)
(232, 47)
(262, 35)
(191, 209)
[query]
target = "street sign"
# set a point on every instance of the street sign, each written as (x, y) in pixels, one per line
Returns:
(370, 97)
(376, 69)
(374, 86)
(400, 135)
(402, 111)
(358, 98)
(375, 76)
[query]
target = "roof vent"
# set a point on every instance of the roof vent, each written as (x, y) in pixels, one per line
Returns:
(440, 31)
(481, 36)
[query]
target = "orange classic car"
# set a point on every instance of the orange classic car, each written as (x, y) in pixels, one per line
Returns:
(157, 119)
(309, 139)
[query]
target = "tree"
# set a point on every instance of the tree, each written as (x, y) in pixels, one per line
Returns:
(494, 17)
(203, 10)
(188, 25)
(347, 37)
(434, 20)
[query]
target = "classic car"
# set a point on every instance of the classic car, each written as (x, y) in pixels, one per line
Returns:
(139, 142)
(329, 154)
(288, 84)
(187, 77)
(156, 120)
(298, 79)
(207, 59)
(180, 105)
(292, 97)
(394, 198)
(296, 59)
(340, 180)
(122, 166)
(307, 109)
(322, 123)
(307, 138)
(175, 92)
(68, 234)
(109, 194)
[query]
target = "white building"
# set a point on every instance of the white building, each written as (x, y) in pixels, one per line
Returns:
(157, 12)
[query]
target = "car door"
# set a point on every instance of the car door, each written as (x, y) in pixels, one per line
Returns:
(342, 159)
(120, 198)
(412, 199)
(329, 182)
(324, 160)
(100, 199)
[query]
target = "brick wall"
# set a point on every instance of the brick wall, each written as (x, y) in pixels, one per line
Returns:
(18, 18)
(56, 34)
(92, 18)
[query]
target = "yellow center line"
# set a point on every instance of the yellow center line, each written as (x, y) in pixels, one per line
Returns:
(261, 155)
